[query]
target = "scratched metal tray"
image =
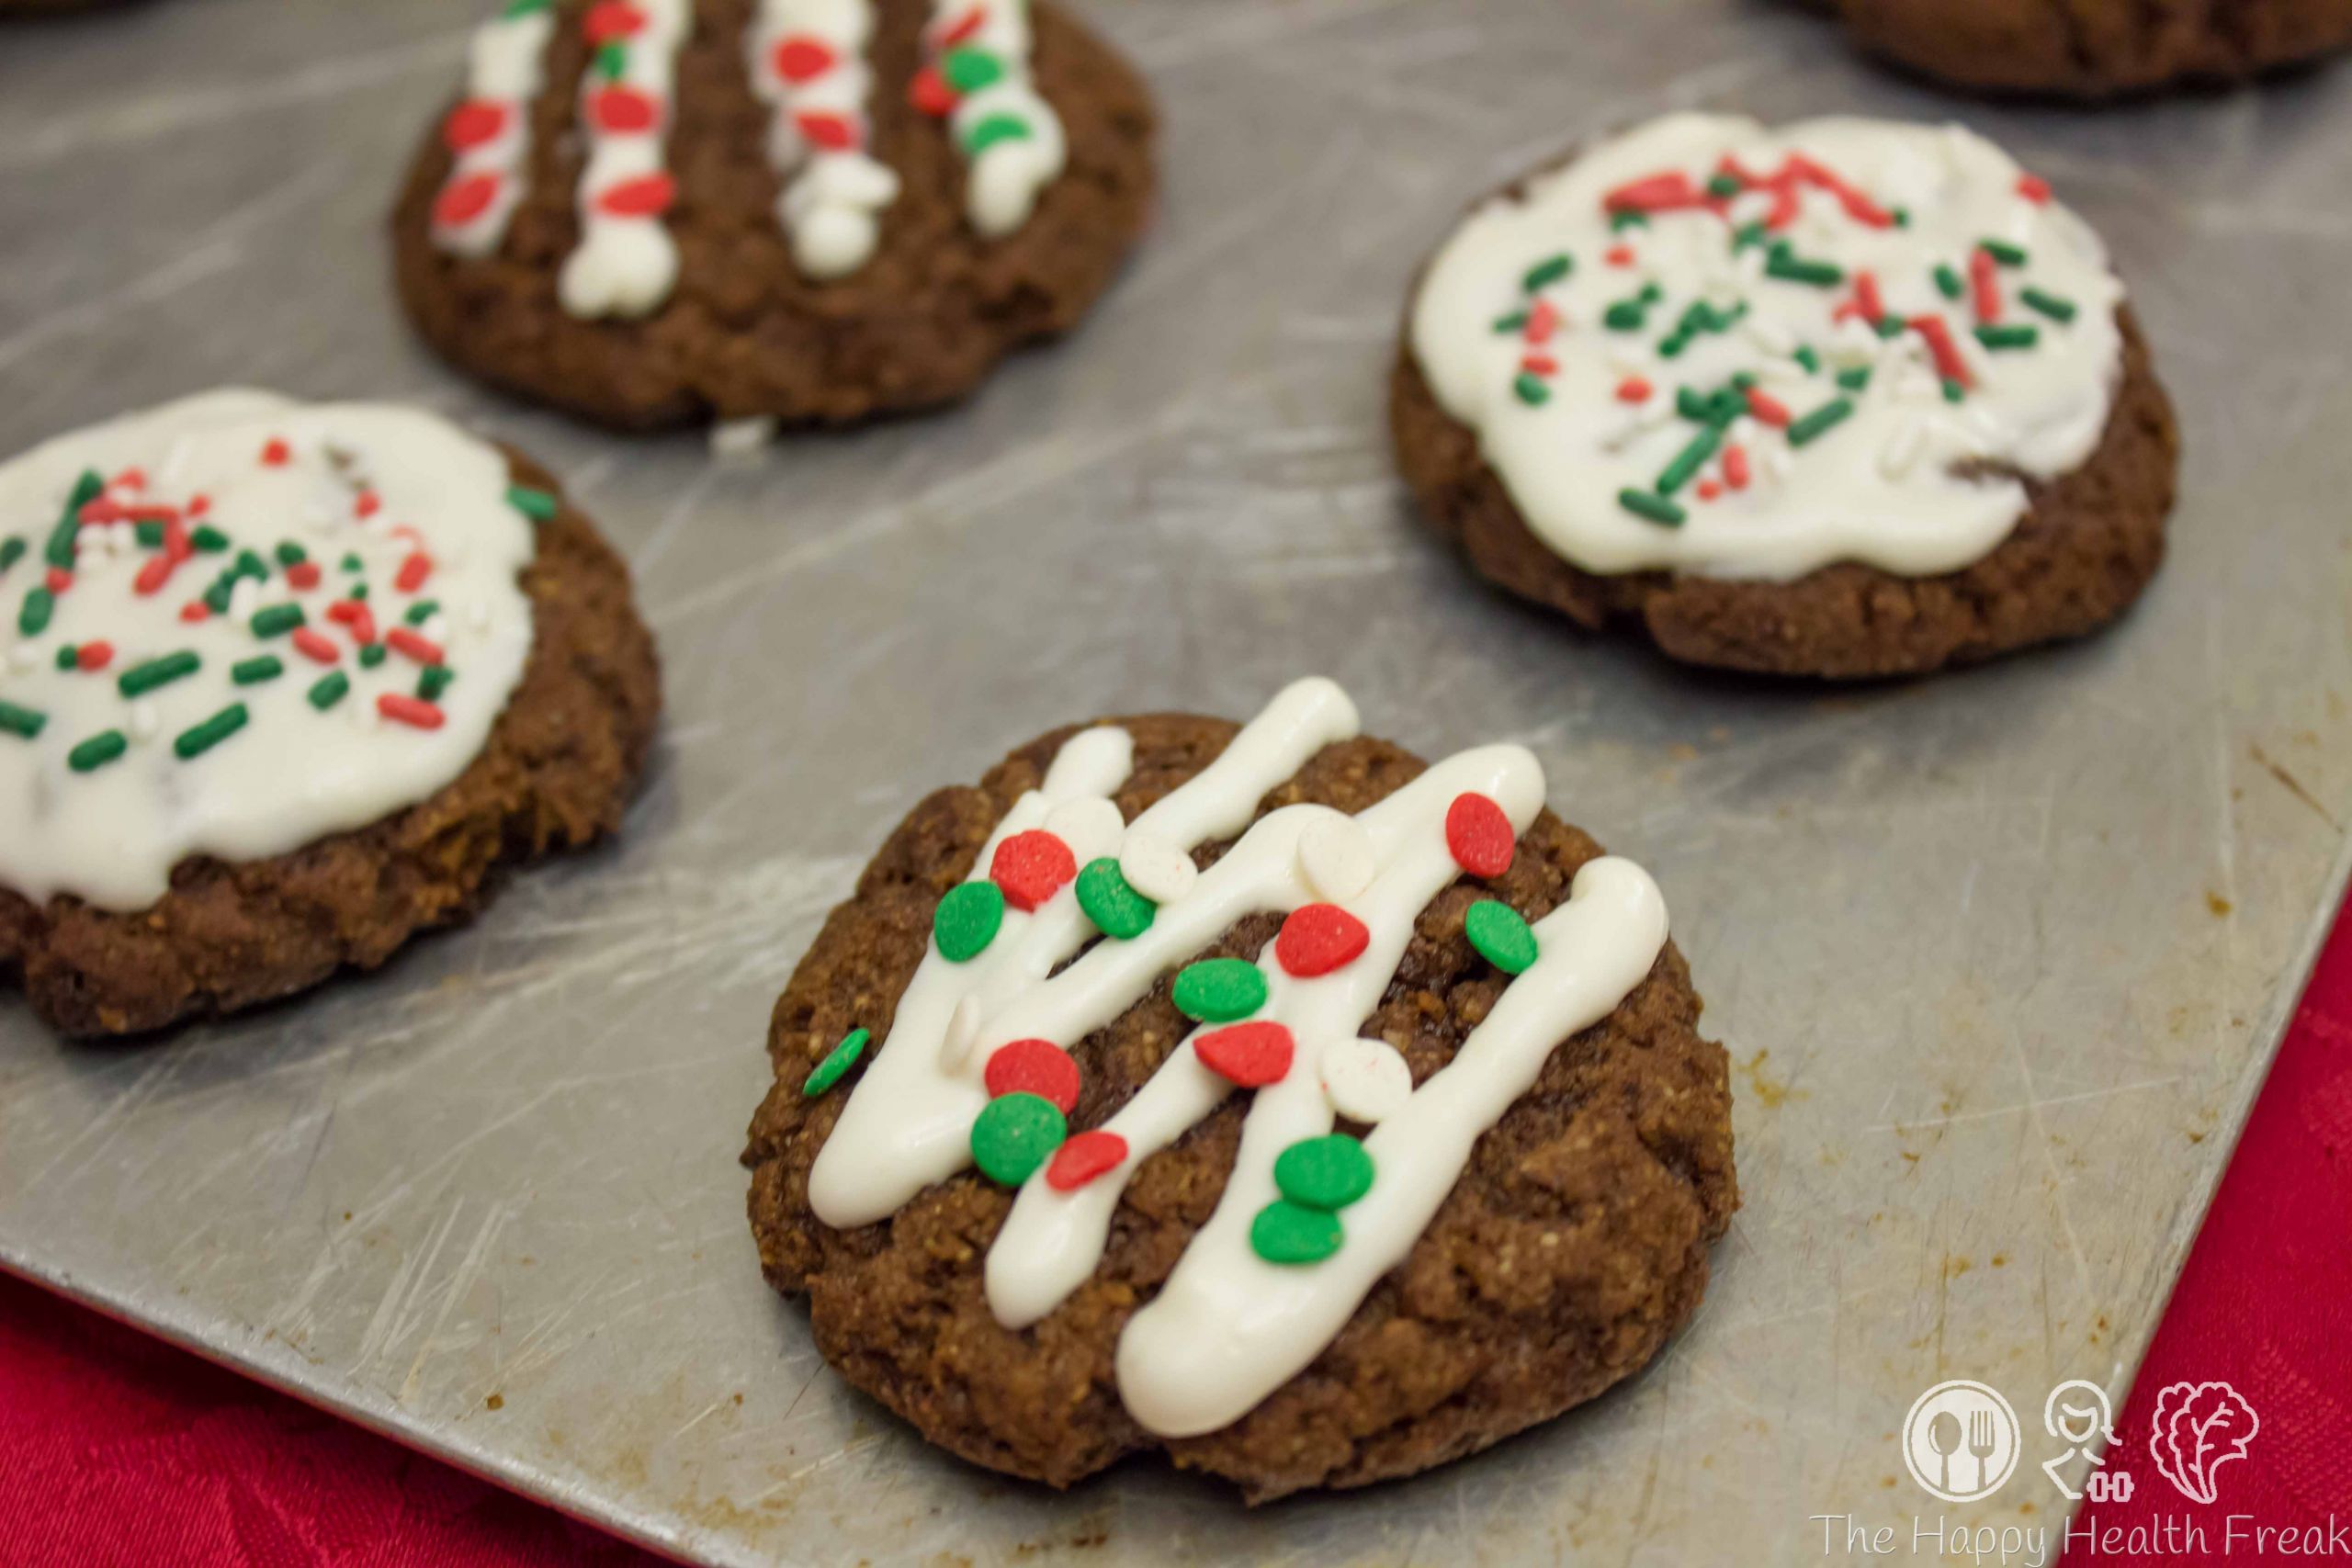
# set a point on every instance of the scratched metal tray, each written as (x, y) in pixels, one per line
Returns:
(1999, 957)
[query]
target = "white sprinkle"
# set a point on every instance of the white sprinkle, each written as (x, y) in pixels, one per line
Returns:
(1770, 334)
(1091, 828)
(1366, 1080)
(145, 720)
(1155, 868)
(1902, 448)
(1337, 859)
(963, 1033)
(243, 597)
(23, 657)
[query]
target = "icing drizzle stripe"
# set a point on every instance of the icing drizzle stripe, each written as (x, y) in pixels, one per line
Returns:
(626, 262)
(976, 77)
(489, 133)
(807, 63)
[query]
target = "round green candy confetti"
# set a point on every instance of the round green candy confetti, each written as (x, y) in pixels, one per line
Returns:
(969, 70)
(1016, 1134)
(966, 919)
(1324, 1173)
(1116, 909)
(1219, 990)
(1290, 1233)
(839, 1060)
(1501, 937)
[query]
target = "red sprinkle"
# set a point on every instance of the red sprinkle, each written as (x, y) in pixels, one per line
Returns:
(1539, 365)
(1860, 208)
(1657, 193)
(647, 196)
(930, 93)
(1709, 489)
(1251, 1054)
(132, 479)
(1767, 408)
(1479, 835)
(155, 574)
(351, 613)
(312, 645)
(1032, 867)
(464, 200)
(610, 19)
(1735, 466)
(1082, 1158)
(150, 514)
(1618, 255)
(1984, 285)
(1866, 295)
(1941, 347)
(1541, 320)
(624, 110)
(94, 655)
(2034, 188)
(414, 572)
(1318, 938)
(59, 580)
(365, 504)
(198, 505)
(404, 709)
(1034, 1067)
(801, 57)
(833, 132)
(473, 122)
(963, 27)
(274, 453)
(100, 510)
(423, 650)
(303, 574)
(194, 611)
(1634, 389)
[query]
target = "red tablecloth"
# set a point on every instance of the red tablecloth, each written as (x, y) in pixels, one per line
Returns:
(117, 1450)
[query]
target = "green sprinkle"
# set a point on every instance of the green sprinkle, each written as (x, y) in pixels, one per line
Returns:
(966, 919)
(421, 612)
(1747, 236)
(1651, 294)
(1688, 461)
(2003, 251)
(1547, 272)
(196, 740)
(1656, 507)
(1624, 316)
(1820, 421)
(1902, 216)
(371, 656)
(67, 656)
(252, 671)
(249, 564)
(1324, 1173)
(535, 505)
(612, 60)
(969, 70)
(1948, 282)
(21, 721)
(2008, 336)
(328, 690)
(1286, 1232)
(1219, 990)
(275, 621)
(1117, 909)
(98, 750)
(58, 550)
(12, 550)
(1511, 323)
(209, 539)
(1953, 390)
(1725, 185)
(216, 598)
(2056, 306)
(1890, 326)
(150, 534)
(524, 8)
(142, 679)
(32, 618)
(1818, 273)
(1531, 389)
(1501, 937)
(1620, 221)
(1855, 378)
(433, 682)
(351, 561)
(1691, 404)
(1805, 356)
(838, 1060)
(995, 129)
(356, 590)
(1672, 347)
(288, 553)
(1015, 1135)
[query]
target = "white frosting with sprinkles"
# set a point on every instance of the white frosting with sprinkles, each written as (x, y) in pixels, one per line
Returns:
(1308, 1221)
(808, 60)
(1728, 351)
(489, 133)
(978, 76)
(237, 623)
(626, 262)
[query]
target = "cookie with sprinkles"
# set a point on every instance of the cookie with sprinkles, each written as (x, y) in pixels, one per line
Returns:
(654, 212)
(1847, 399)
(284, 684)
(1375, 1139)
(2095, 48)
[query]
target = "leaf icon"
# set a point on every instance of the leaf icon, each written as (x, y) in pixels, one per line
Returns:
(2199, 1427)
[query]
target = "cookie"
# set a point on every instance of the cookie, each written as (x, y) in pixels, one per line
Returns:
(1850, 399)
(650, 212)
(2095, 48)
(286, 685)
(1260, 1095)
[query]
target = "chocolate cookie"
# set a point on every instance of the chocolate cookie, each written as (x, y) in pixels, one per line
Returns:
(1851, 400)
(655, 212)
(1473, 1183)
(2095, 48)
(290, 683)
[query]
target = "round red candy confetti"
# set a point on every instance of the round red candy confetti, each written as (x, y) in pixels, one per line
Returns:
(1251, 1054)
(802, 58)
(832, 132)
(930, 93)
(1319, 938)
(1032, 867)
(462, 201)
(1479, 835)
(2034, 188)
(274, 453)
(1034, 1067)
(610, 19)
(473, 122)
(1082, 1158)
(647, 196)
(365, 504)
(624, 110)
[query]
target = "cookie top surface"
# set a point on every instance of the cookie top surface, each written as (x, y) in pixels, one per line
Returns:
(239, 623)
(1732, 352)
(1072, 917)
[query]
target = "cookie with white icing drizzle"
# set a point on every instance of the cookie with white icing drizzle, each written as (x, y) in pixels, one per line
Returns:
(1851, 398)
(650, 211)
(283, 684)
(1388, 1132)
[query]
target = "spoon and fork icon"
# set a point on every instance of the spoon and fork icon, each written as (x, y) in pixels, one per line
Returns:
(1943, 1436)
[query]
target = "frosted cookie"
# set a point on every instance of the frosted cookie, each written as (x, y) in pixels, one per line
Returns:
(2095, 48)
(1254, 1093)
(283, 684)
(655, 212)
(1848, 398)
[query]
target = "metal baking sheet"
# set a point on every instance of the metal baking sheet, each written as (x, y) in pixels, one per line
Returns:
(1999, 957)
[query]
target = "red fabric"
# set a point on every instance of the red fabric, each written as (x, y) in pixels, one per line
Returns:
(117, 1449)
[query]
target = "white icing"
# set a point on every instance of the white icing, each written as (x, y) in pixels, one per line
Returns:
(1007, 174)
(505, 69)
(1882, 487)
(1159, 869)
(292, 774)
(626, 264)
(833, 197)
(1229, 1327)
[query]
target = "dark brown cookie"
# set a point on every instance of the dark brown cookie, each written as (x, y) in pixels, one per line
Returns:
(745, 333)
(1574, 1243)
(559, 769)
(2095, 48)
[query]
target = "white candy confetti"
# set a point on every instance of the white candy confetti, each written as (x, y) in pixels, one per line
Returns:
(1366, 1080)
(1155, 868)
(1337, 858)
